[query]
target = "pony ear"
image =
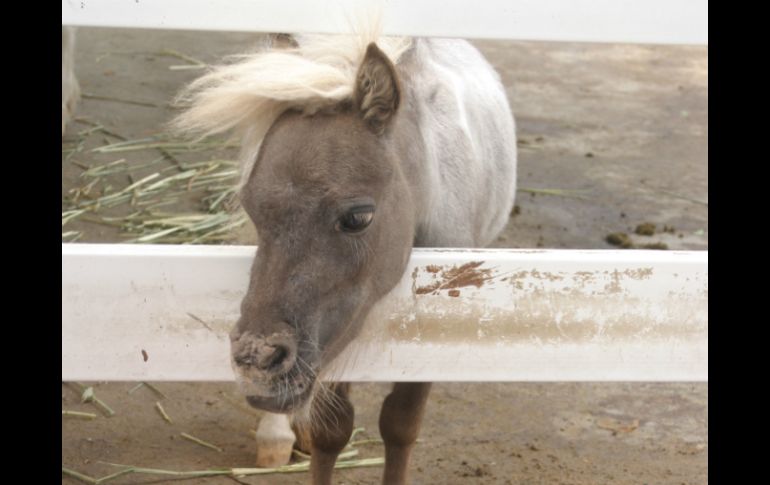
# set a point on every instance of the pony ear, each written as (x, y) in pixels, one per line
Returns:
(377, 91)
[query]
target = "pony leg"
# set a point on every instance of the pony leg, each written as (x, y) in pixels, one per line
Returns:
(70, 90)
(331, 432)
(400, 421)
(275, 439)
(303, 440)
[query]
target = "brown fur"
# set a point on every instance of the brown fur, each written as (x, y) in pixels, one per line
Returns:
(377, 93)
(316, 283)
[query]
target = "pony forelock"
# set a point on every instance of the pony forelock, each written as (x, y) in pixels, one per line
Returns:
(247, 95)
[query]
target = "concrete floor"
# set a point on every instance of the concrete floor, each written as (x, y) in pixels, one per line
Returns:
(626, 125)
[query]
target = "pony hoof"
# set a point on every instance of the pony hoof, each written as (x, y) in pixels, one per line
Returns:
(275, 440)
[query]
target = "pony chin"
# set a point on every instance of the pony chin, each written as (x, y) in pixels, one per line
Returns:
(248, 387)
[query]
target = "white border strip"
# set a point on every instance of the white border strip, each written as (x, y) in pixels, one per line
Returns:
(616, 21)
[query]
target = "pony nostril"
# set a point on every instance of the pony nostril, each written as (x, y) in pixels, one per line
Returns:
(272, 354)
(274, 358)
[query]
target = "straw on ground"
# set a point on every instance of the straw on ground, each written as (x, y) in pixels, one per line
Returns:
(162, 412)
(343, 461)
(234, 472)
(212, 181)
(200, 442)
(78, 414)
(87, 395)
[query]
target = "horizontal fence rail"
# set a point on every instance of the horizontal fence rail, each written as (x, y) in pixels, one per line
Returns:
(618, 21)
(163, 312)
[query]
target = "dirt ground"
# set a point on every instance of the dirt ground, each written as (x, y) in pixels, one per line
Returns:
(626, 127)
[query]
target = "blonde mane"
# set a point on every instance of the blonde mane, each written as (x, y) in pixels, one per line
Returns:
(246, 96)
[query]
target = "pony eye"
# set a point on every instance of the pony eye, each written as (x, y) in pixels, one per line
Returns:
(355, 220)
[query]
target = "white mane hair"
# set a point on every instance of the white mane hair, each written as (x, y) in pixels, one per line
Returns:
(246, 96)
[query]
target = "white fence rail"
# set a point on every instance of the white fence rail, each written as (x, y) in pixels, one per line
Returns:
(619, 21)
(546, 315)
(132, 312)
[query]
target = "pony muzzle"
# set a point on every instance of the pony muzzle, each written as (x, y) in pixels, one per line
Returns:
(264, 358)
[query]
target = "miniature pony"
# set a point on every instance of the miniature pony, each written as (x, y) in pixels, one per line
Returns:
(355, 149)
